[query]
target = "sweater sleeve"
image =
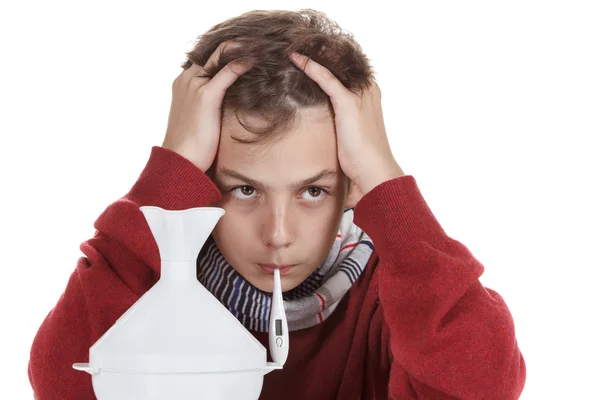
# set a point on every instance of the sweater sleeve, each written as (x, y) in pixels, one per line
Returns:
(453, 337)
(120, 263)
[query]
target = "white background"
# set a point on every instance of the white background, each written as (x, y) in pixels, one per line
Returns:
(494, 107)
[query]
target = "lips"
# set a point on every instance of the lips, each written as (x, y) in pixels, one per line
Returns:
(270, 268)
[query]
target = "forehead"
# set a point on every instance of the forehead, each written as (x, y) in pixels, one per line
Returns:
(309, 145)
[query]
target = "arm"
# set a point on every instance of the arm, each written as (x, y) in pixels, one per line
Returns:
(454, 338)
(120, 263)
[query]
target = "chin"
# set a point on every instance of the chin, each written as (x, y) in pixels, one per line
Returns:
(257, 278)
(265, 283)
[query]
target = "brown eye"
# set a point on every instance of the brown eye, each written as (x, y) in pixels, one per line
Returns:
(247, 190)
(312, 191)
(243, 193)
(315, 194)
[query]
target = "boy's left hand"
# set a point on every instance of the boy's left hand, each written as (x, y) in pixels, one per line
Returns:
(364, 153)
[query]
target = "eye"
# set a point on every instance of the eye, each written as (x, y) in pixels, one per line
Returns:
(245, 190)
(315, 197)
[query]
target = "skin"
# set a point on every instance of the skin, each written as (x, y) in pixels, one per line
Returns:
(270, 219)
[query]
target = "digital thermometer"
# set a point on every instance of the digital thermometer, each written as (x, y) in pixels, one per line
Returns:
(278, 328)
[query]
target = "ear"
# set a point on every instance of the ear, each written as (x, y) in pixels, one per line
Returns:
(354, 195)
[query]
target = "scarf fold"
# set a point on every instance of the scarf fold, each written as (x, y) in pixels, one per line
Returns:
(311, 302)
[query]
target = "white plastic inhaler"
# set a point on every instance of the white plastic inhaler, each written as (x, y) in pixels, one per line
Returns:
(178, 342)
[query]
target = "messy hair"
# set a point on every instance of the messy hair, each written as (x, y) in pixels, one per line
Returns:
(274, 88)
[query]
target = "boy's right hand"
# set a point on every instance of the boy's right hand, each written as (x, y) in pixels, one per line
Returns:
(194, 126)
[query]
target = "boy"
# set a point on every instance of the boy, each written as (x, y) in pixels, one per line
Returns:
(381, 303)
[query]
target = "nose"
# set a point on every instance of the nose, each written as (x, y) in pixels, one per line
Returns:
(277, 227)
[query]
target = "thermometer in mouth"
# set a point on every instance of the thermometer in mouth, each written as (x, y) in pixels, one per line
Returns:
(278, 328)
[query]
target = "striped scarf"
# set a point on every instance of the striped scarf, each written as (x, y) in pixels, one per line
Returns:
(308, 304)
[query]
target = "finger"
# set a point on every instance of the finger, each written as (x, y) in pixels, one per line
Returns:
(216, 89)
(318, 73)
(222, 48)
(198, 72)
(191, 72)
(225, 78)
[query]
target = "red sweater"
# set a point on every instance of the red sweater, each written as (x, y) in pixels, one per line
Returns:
(417, 324)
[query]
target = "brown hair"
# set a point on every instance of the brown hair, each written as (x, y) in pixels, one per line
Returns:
(274, 88)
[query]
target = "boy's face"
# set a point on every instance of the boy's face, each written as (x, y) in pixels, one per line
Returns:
(272, 218)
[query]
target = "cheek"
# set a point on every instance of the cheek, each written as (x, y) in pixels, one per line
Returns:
(318, 234)
(231, 232)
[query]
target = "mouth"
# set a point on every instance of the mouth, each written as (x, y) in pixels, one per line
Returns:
(270, 268)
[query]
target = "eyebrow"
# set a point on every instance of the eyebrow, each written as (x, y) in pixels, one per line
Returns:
(325, 174)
